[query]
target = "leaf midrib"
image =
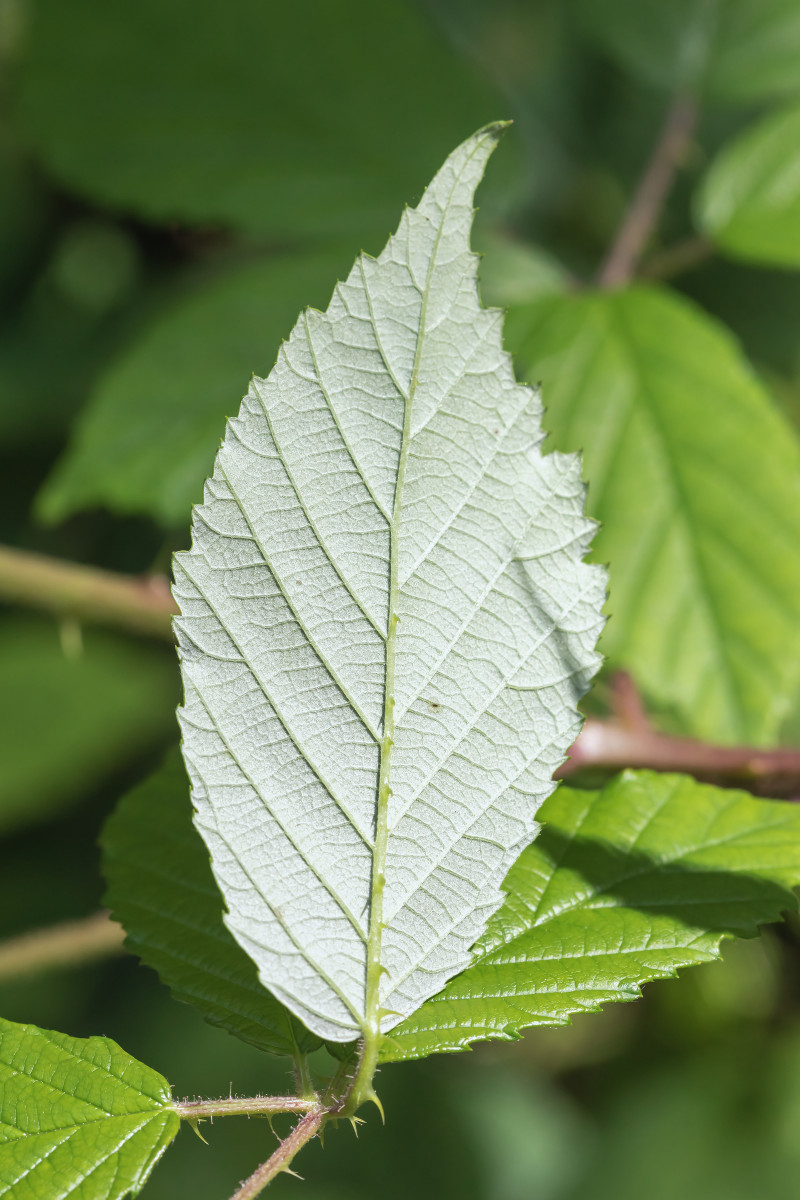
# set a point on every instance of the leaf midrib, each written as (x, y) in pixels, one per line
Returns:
(372, 1014)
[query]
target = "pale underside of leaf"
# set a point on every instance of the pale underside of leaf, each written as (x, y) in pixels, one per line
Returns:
(385, 628)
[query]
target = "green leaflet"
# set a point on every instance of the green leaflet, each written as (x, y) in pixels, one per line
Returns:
(385, 600)
(148, 436)
(513, 273)
(695, 477)
(160, 888)
(621, 887)
(736, 51)
(282, 123)
(750, 199)
(79, 1118)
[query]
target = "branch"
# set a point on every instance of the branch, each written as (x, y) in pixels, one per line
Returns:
(616, 744)
(66, 945)
(645, 207)
(142, 605)
(674, 260)
(303, 1132)
(247, 1106)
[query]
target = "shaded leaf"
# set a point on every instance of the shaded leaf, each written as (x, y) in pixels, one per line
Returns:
(384, 601)
(621, 887)
(147, 438)
(272, 120)
(695, 477)
(730, 50)
(79, 1117)
(516, 273)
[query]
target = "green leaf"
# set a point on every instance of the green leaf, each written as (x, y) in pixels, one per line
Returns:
(162, 891)
(278, 120)
(749, 202)
(738, 51)
(147, 439)
(621, 887)
(79, 1117)
(514, 273)
(386, 627)
(67, 722)
(696, 478)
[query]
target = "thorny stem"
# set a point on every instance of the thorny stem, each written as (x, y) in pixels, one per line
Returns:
(280, 1161)
(645, 207)
(336, 1091)
(247, 1106)
(302, 1072)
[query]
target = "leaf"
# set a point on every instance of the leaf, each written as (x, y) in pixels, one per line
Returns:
(736, 51)
(750, 199)
(513, 273)
(622, 886)
(386, 628)
(79, 1117)
(696, 479)
(270, 121)
(148, 437)
(53, 346)
(66, 723)
(162, 892)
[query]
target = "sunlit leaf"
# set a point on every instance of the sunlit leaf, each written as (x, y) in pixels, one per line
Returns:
(750, 198)
(621, 887)
(695, 476)
(386, 626)
(79, 1117)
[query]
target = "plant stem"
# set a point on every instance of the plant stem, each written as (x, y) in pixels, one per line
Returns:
(645, 207)
(302, 1071)
(674, 260)
(248, 1106)
(303, 1132)
(361, 1089)
(142, 605)
(66, 945)
(616, 744)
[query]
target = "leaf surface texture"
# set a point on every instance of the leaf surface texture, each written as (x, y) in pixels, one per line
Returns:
(163, 893)
(386, 626)
(622, 886)
(79, 1117)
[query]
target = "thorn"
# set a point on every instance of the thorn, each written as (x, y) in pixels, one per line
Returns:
(355, 1122)
(373, 1096)
(289, 1171)
(195, 1124)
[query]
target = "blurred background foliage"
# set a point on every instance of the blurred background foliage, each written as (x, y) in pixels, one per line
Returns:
(177, 179)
